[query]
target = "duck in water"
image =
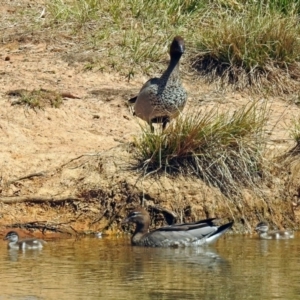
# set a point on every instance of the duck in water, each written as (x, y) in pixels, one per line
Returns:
(186, 234)
(28, 243)
(263, 230)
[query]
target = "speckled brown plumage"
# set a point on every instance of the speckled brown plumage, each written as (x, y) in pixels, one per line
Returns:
(161, 99)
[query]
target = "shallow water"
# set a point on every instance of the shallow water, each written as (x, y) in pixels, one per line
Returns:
(236, 267)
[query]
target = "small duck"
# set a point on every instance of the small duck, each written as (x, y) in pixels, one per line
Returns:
(28, 243)
(263, 229)
(161, 99)
(189, 234)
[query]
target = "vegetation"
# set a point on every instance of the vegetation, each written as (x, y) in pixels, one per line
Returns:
(244, 43)
(241, 43)
(37, 98)
(256, 47)
(294, 130)
(225, 150)
(238, 43)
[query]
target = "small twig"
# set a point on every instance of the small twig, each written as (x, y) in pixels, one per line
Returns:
(77, 233)
(78, 157)
(99, 218)
(68, 95)
(115, 215)
(27, 177)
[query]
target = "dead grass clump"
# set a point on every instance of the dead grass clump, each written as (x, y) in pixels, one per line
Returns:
(225, 150)
(36, 98)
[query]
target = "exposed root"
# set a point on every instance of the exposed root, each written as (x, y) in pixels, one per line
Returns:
(38, 174)
(45, 225)
(38, 199)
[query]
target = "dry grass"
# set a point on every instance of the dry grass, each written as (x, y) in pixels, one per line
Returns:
(224, 149)
(294, 130)
(243, 44)
(255, 47)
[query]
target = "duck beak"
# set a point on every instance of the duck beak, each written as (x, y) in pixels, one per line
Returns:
(181, 48)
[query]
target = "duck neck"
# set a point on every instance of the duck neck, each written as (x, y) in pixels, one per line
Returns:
(13, 245)
(172, 72)
(140, 231)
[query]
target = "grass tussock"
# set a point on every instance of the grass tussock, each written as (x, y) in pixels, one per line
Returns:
(224, 150)
(40, 98)
(255, 47)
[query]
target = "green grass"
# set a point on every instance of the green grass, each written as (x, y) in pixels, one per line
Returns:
(224, 149)
(256, 48)
(237, 43)
(241, 43)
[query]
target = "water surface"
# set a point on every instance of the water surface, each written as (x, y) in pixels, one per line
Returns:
(236, 267)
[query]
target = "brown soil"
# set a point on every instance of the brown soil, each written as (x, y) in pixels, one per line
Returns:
(66, 169)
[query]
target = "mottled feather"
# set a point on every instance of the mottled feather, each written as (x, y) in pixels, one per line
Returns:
(161, 99)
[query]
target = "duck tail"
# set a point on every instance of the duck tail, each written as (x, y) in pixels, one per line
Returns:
(220, 231)
(132, 100)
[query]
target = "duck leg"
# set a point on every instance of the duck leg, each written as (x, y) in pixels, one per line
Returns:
(165, 121)
(151, 127)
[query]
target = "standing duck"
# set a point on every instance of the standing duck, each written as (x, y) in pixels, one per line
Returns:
(189, 234)
(263, 230)
(161, 99)
(28, 243)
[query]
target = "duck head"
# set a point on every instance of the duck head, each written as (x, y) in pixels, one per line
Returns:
(177, 47)
(262, 227)
(12, 236)
(138, 216)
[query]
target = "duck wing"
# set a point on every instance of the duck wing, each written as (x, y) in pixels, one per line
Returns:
(32, 240)
(189, 226)
(190, 234)
(149, 83)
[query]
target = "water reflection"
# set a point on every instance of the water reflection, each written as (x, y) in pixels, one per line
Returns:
(14, 255)
(236, 267)
(151, 263)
